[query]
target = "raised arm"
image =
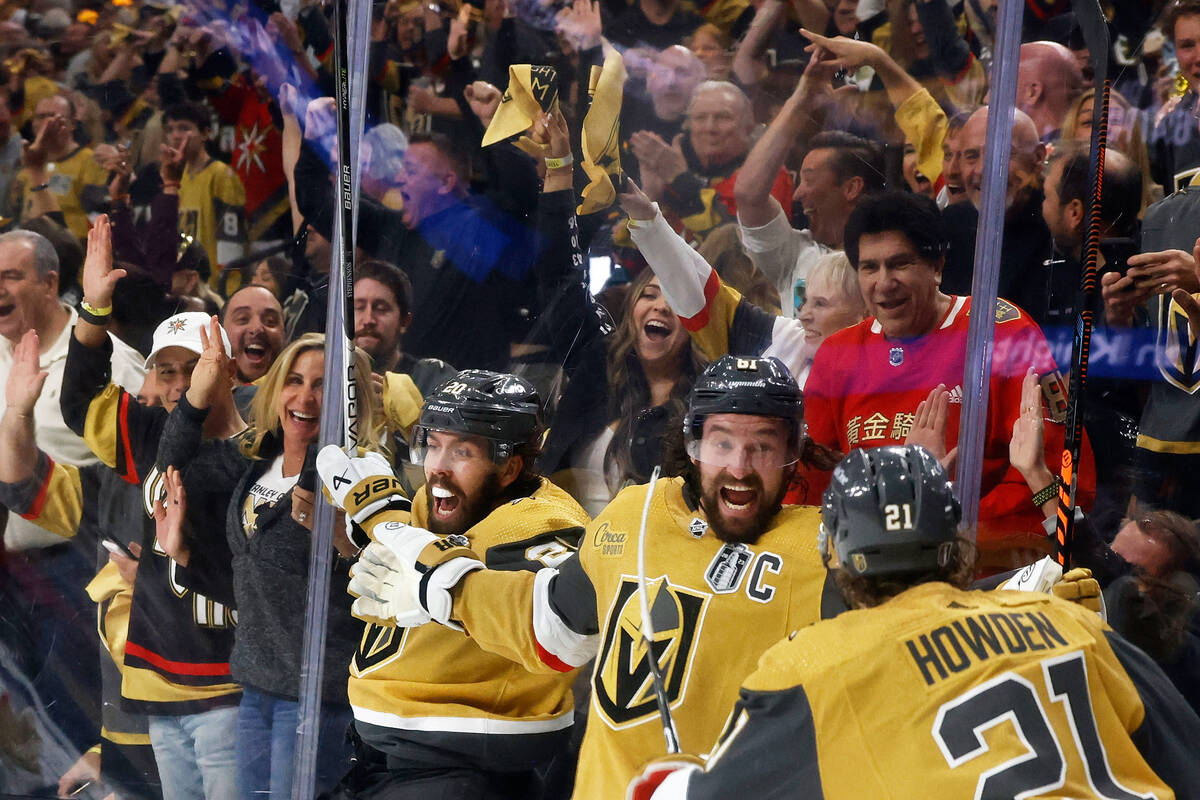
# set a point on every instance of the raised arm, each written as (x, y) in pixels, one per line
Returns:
(799, 118)
(18, 447)
(748, 65)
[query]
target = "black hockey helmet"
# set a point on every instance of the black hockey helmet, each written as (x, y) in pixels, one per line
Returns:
(744, 385)
(889, 511)
(502, 408)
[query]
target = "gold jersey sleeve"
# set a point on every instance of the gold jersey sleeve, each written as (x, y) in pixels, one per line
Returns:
(433, 682)
(944, 693)
(716, 608)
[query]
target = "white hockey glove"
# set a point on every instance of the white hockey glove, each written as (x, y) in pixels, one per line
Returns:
(405, 576)
(664, 778)
(362, 486)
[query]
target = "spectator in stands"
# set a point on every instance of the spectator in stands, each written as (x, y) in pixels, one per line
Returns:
(1048, 81)
(694, 177)
(867, 381)
(78, 184)
(1027, 242)
(253, 318)
(671, 77)
(1175, 143)
(1125, 133)
(382, 313)
(712, 47)
(269, 540)
(838, 170)
(212, 201)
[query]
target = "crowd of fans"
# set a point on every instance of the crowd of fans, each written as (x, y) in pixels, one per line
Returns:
(799, 179)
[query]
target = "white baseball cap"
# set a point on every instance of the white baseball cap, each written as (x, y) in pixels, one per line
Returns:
(183, 330)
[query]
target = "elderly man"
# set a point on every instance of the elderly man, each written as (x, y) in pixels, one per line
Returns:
(77, 182)
(867, 380)
(694, 178)
(1024, 275)
(672, 76)
(50, 639)
(1048, 81)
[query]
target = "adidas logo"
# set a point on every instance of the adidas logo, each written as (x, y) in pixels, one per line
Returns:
(956, 395)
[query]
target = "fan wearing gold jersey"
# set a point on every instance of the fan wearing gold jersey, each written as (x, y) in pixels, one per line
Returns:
(212, 200)
(728, 573)
(928, 690)
(451, 719)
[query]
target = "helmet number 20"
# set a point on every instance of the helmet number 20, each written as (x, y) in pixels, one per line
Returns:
(898, 516)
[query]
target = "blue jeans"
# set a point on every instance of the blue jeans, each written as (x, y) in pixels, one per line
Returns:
(266, 739)
(196, 754)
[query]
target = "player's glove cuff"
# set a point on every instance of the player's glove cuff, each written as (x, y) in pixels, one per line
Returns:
(439, 562)
(362, 486)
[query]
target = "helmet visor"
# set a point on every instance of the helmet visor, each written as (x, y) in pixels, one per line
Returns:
(730, 451)
(453, 450)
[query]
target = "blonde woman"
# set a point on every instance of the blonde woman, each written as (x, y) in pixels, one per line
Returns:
(268, 540)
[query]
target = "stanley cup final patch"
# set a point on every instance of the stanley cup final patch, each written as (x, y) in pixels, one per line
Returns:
(724, 574)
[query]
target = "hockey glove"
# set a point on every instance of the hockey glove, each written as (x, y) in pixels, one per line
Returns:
(668, 774)
(1079, 587)
(363, 487)
(405, 576)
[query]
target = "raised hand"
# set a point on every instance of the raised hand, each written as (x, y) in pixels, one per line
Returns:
(211, 373)
(848, 54)
(483, 99)
(635, 203)
(171, 161)
(99, 277)
(35, 154)
(654, 154)
(169, 512)
(25, 378)
(929, 427)
(579, 23)
(1025, 450)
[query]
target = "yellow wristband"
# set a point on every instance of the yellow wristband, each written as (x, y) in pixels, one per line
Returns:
(96, 312)
(559, 163)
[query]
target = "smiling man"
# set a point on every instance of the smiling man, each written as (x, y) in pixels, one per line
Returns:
(1175, 143)
(729, 571)
(253, 319)
(867, 380)
(449, 718)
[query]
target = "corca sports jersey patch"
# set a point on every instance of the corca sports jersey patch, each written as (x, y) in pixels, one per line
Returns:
(622, 682)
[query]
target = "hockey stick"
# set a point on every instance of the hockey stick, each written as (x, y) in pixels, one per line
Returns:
(339, 411)
(670, 734)
(1095, 33)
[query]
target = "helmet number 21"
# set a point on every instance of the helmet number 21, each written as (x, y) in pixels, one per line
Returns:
(898, 516)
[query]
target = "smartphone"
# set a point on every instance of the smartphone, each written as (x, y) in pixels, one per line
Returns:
(117, 547)
(800, 294)
(1117, 251)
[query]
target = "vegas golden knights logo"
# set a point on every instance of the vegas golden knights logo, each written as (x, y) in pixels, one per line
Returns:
(622, 681)
(379, 646)
(1177, 347)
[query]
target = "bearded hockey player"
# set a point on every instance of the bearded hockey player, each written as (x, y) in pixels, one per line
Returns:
(728, 573)
(449, 718)
(928, 690)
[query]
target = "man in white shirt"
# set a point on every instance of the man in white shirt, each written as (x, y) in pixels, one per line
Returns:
(29, 299)
(837, 171)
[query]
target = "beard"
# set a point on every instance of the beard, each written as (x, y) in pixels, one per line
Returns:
(471, 510)
(741, 531)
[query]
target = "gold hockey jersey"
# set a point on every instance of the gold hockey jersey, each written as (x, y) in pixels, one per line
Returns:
(212, 210)
(716, 607)
(948, 693)
(78, 183)
(433, 686)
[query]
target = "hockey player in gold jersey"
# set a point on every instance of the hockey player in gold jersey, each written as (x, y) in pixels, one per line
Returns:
(728, 573)
(927, 690)
(452, 719)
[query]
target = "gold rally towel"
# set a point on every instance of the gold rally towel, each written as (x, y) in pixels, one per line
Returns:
(601, 146)
(531, 91)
